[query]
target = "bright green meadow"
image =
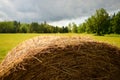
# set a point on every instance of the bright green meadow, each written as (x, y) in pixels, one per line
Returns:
(9, 41)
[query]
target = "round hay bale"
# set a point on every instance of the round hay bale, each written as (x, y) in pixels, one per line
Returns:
(61, 58)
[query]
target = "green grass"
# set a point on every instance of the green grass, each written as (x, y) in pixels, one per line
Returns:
(112, 39)
(9, 41)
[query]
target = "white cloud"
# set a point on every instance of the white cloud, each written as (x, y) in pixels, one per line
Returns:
(114, 11)
(66, 22)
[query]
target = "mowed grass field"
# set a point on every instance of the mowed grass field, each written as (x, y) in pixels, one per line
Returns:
(9, 41)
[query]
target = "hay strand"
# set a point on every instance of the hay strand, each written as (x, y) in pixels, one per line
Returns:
(61, 58)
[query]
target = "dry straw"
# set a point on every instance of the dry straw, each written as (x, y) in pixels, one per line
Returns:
(61, 58)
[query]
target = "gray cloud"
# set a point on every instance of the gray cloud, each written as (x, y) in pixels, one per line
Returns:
(52, 10)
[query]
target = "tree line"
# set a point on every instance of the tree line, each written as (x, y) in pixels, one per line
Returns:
(34, 27)
(100, 23)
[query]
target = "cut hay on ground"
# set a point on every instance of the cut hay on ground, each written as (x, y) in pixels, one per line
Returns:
(61, 58)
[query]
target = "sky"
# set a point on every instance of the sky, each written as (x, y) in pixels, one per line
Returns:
(55, 12)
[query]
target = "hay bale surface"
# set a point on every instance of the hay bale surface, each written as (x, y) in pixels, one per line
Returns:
(61, 58)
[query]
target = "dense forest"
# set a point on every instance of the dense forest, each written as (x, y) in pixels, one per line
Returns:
(100, 23)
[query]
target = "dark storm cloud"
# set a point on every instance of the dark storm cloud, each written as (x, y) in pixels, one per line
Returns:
(52, 10)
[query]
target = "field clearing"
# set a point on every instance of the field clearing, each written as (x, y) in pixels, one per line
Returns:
(9, 41)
